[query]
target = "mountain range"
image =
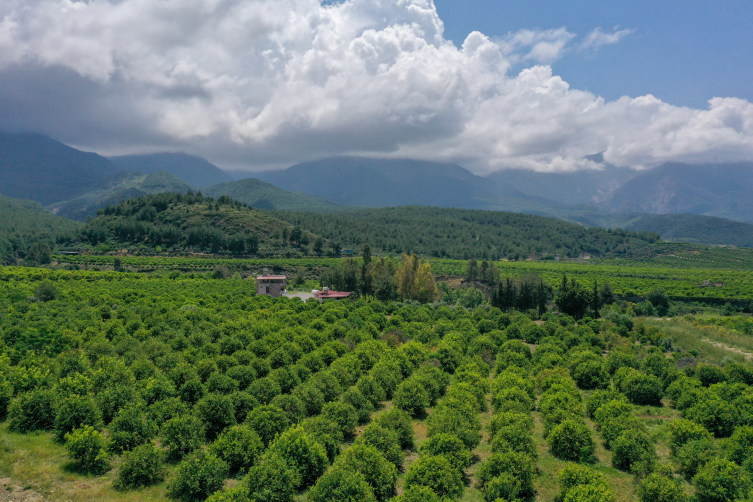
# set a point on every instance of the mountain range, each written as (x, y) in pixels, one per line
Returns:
(681, 202)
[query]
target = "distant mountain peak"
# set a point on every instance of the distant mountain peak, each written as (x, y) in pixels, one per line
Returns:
(191, 169)
(596, 157)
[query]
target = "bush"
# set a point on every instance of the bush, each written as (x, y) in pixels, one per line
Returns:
(709, 374)
(302, 453)
(721, 481)
(631, 447)
(371, 389)
(695, 454)
(129, 429)
(502, 487)
(272, 480)
(87, 447)
(267, 421)
(198, 476)
(717, 416)
(739, 447)
(514, 438)
(418, 493)
(590, 493)
(518, 465)
(642, 389)
(575, 475)
(682, 431)
(601, 397)
(458, 418)
(436, 473)
(182, 435)
(341, 485)
(217, 413)
(239, 447)
(327, 433)
(380, 474)
(363, 406)
(46, 292)
(75, 412)
(591, 374)
(400, 422)
(571, 440)
(32, 411)
(658, 488)
(384, 440)
(237, 494)
(449, 446)
(140, 467)
(412, 398)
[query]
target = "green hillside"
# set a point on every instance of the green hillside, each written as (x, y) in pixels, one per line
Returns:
(27, 229)
(176, 223)
(463, 233)
(258, 194)
(196, 171)
(122, 187)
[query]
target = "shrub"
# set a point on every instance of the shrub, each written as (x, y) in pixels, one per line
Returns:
(591, 374)
(717, 416)
(601, 397)
(693, 455)
(236, 494)
(371, 389)
(363, 406)
(659, 488)
(217, 413)
(514, 438)
(199, 475)
(721, 481)
(681, 431)
(327, 433)
(631, 447)
(181, 435)
(502, 487)
(341, 485)
(267, 421)
(590, 493)
(129, 429)
(460, 419)
(140, 467)
(272, 480)
(412, 398)
(519, 465)
(709, 374)
(571, 440)
(343, 414)
(87, 447)
(379, 473)
(46, 292)
(76, 411)
(436, 473)
(385, 440)
(615, 408)
(311, 397)
(418, 493)
(642, 389)
(739, 447)
(575, 475)
(400, 422)
(239, 447)
(451, 447)
(302, 453)
(614, 427)
(32, 411)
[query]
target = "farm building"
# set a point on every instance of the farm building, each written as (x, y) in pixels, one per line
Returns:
(271, 285)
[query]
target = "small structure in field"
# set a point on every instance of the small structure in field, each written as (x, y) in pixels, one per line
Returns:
(271, 285)
(328, 294)
(709, 284)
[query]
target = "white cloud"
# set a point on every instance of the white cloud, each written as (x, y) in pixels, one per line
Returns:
(256, 83)
(598, 38)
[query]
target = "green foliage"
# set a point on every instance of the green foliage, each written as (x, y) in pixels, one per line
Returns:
(87, 447)
(272, 480)
(378, 472)
(385, 440)
(573, 475)
(199, 475)
(695, 454)
(239, 447)
(342, 485)
(130, 428)
(267, 421)
(74, 412)
(520, 466)
(302, 453)
(400, 422)
(630, 448)
(411, 397)
(343, 414)
(46, 292)
(589, 493)
(659, 488)
(140, 467)
(217, 412)
(437, 473)
(641, 388)
(32, 411)
(682, 431)
(571, 440)
(181, 435)
(418, 493)
(450, 447)
(717, 416)
(721, 481)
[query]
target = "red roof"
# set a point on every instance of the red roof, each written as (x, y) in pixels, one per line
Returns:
(272, 277)
(331, 294)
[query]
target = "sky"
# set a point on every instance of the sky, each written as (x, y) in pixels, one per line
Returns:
(259, 84)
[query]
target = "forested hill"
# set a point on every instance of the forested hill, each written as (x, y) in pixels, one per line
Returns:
(257, 193)
(29, 232)
(463, 233)
(172, 223)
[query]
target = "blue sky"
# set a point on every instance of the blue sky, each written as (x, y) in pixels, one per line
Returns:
(683, 52)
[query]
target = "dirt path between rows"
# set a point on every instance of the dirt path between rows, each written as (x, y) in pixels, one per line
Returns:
(747, 355)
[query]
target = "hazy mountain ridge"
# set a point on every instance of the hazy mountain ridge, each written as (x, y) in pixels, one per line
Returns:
(193, 170)
(123, 186)
(262, 195)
